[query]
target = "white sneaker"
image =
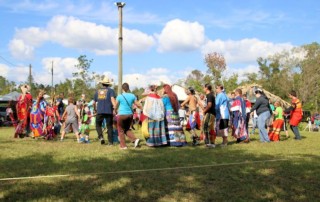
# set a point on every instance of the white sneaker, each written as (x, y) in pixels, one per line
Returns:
(210, 145)
(136, 143)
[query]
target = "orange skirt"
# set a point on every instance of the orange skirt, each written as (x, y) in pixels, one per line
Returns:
(274, 134)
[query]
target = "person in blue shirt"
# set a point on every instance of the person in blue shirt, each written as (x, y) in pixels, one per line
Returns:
(222, 114)
(105, 99)
(231, 99)
(125, 116)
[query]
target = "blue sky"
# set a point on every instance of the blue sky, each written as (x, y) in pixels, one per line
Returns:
(163, 40)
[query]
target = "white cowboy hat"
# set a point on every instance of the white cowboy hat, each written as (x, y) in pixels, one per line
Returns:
(107, 81)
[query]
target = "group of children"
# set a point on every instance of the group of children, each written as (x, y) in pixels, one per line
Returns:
(78, 117)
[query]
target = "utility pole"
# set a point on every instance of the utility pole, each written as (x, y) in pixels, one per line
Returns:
(30, 77)
(120, 5)
(52, 79)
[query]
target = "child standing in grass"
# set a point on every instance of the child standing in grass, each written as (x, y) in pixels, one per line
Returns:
(85, 120)
(72, 114)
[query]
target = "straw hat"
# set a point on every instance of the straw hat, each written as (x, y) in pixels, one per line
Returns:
(106, 81)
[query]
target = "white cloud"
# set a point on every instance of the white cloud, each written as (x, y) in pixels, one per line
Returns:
(33, 36)
(20, 49)
(180, 35)
(4, 70)
(245, 50)
(18, 74)
(73, 33)
(136, 41)
(62, 69)
(158, 71)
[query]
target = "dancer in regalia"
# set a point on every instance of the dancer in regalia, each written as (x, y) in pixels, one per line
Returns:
(51, 120)
(23, 107)
(37, 115)
(238, 110)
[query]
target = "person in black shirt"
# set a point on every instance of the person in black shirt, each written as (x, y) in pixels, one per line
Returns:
(105, 97)
(209, 115)
(60, 105)
(263, 111)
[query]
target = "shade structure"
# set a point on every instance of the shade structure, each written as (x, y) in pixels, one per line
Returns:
(10, 96)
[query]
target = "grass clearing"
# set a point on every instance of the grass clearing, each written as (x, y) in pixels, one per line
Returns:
(285, 171)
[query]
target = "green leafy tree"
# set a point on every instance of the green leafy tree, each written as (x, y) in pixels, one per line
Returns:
(78, 86)
(296, 69)
(138, 92)
(231, 83)
(309, 81)
(272, 75)
(83, 72)
(65, 87)
(197, 79)
(250, 78)
(6, 86)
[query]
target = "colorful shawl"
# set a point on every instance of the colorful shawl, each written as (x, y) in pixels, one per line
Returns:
(238, 110)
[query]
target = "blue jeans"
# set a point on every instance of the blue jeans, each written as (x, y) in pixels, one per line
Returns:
(262, 118)
(296, 132)
(254, 124)
(57, 128)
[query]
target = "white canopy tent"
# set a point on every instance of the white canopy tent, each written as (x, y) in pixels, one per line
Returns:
(180, 91)
(10, 96)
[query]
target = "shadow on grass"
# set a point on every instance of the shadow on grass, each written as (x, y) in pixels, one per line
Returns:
(289, 180)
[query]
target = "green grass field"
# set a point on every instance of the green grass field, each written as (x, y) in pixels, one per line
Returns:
(288, 170)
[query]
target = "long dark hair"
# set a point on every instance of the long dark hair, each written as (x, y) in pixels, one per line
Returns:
(172, 96)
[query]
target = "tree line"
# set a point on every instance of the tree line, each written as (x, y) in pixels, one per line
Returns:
(296, 69)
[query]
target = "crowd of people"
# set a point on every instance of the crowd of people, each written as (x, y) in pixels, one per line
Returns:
(162, 117)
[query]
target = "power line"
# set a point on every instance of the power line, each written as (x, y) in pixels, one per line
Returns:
(8, 62)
